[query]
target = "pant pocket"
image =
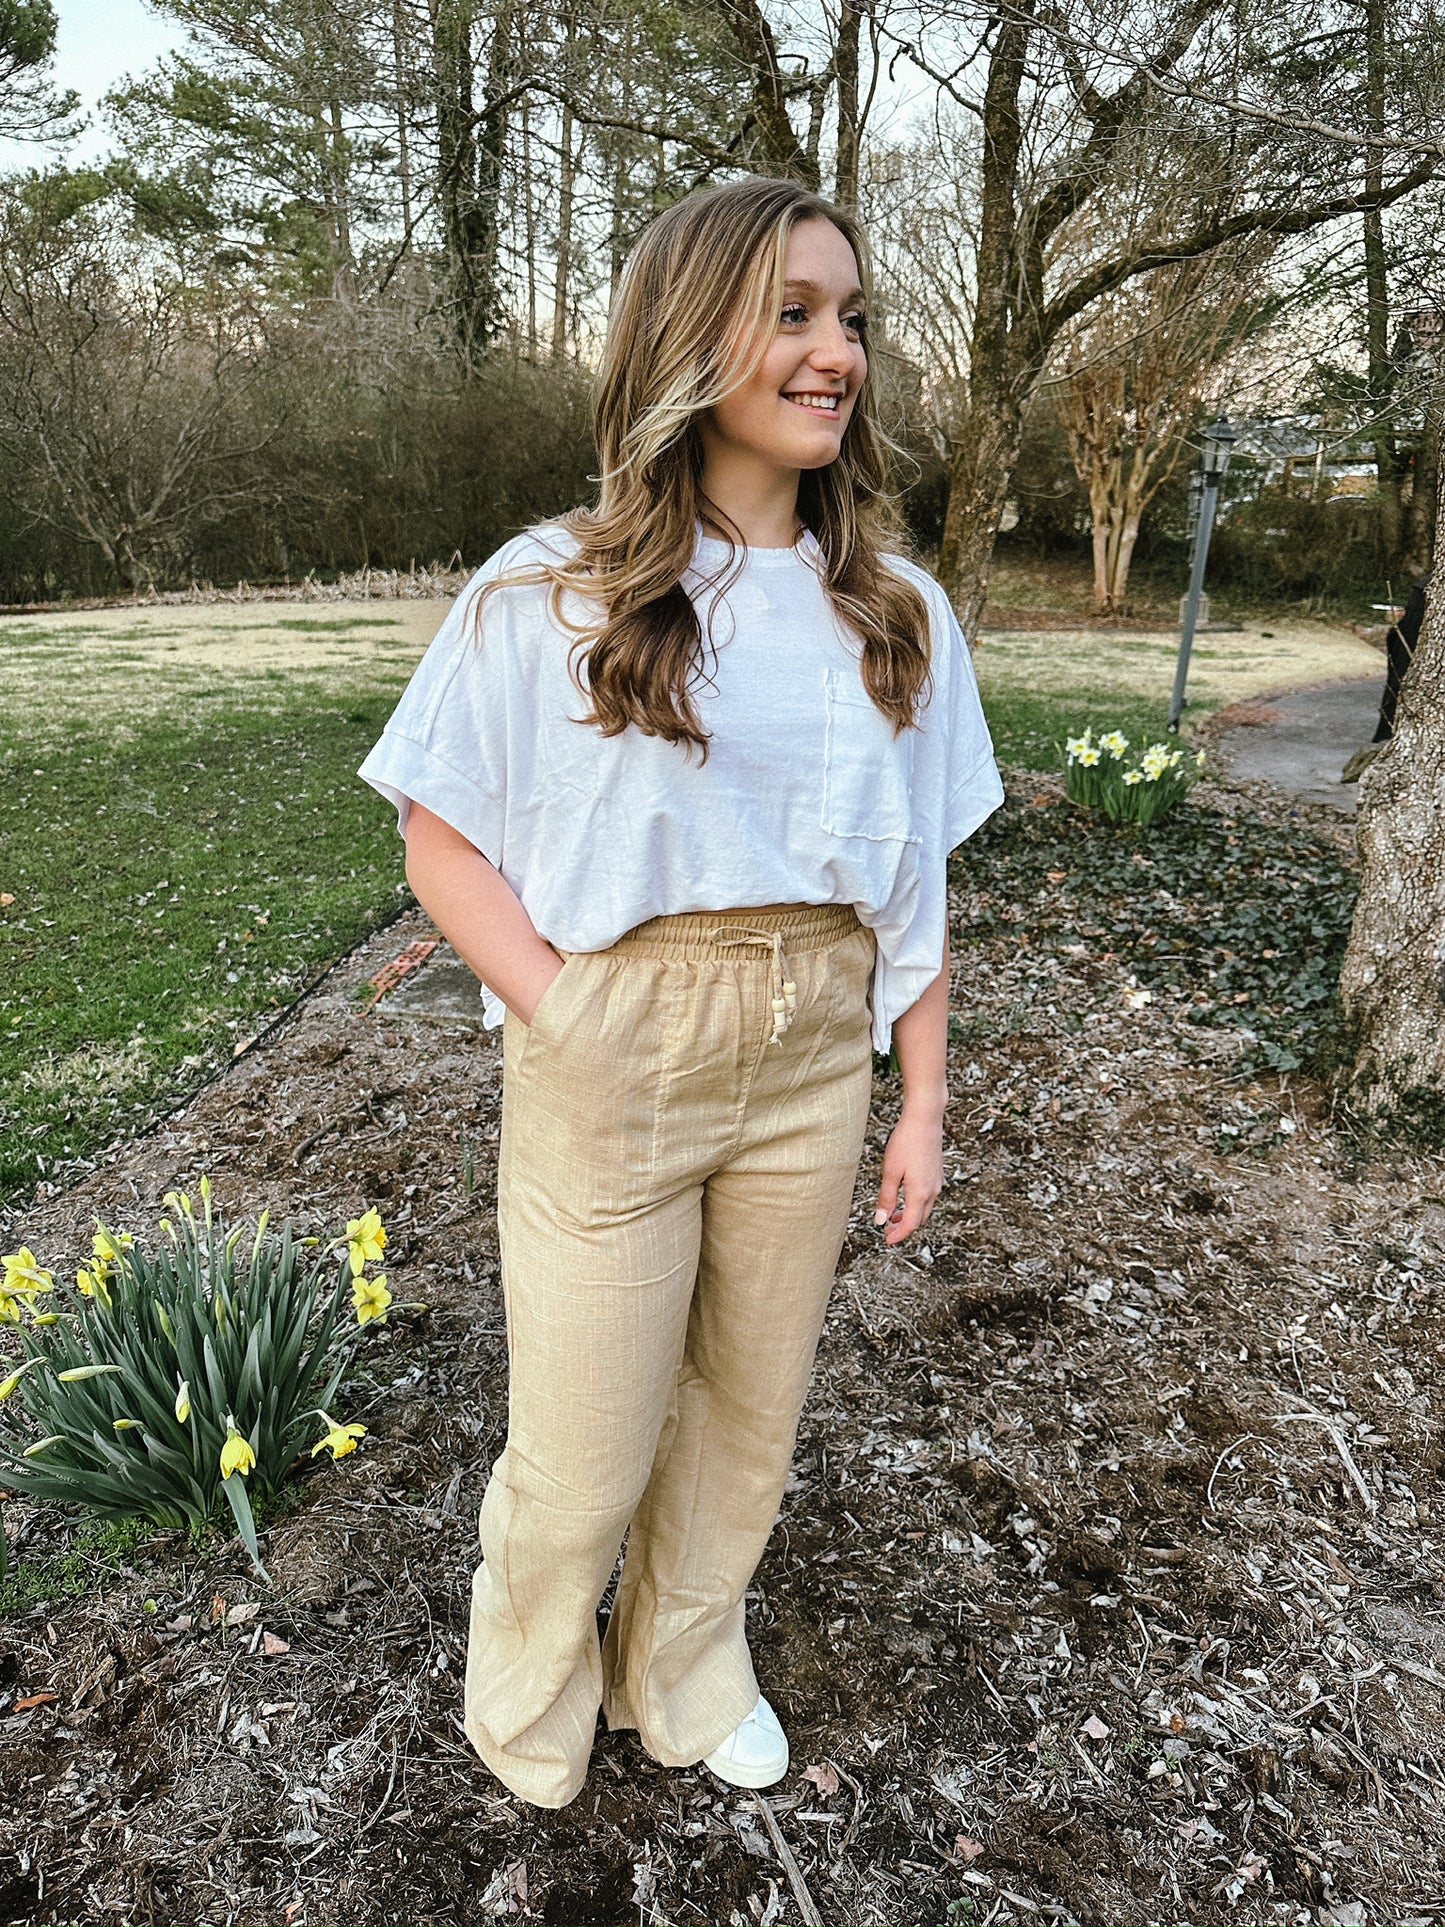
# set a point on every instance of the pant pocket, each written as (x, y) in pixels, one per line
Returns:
(554, 992)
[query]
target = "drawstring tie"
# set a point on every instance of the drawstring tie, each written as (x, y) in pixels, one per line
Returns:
(785, 991)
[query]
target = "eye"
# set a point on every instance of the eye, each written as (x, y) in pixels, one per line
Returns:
(856, 323)
(794, 315)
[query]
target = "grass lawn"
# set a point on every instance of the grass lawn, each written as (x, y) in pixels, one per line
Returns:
(184, 843)
(1039, 685)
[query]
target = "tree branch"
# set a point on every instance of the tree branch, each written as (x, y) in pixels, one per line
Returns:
(1204, 239)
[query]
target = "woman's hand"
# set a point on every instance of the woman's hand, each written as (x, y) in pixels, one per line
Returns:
(537, 982)
(913, 1159)
(912, 1166)
(478, 912)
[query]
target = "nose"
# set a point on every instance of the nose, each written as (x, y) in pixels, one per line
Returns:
(834, 354)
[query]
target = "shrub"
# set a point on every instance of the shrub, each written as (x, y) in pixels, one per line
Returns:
(1096, 776)
(160, 1383)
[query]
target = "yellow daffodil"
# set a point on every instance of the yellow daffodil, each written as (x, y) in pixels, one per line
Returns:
(9, 1308)
(1115, 743)
(95, 1282)
(7, 1385)
(371, 1298)
(236, 1453)
(365, 1240)
(125, 1424)
(1158, 758)
(79, 1372)
(183, 1402)
(24, 1274)
(41, 1445)
(108, 1245)
(341, 1438)
(1199, 760)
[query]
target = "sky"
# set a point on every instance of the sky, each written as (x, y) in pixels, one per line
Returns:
(99, 41)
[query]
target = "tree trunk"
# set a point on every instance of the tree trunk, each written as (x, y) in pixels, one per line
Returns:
(845, 175)
(1101, 557)
(979, 471)
(1377, 300)
(502, 65)
(529, 209)
(783, 154)
(403, 98)
(470, 151)
(560, 288)
(452, 22)
(127, 567)
(1393, 983)
(338, 192)
(987, 443)
(1123, 560)
(1420, 521)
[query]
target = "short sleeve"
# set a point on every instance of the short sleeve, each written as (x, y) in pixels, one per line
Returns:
(956, 783)
(444, 745)
(973, 786)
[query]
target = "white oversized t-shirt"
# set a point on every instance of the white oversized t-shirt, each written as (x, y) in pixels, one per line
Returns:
(806, 796)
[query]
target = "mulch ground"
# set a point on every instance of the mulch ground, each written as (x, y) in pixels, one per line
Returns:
(1107, 1588)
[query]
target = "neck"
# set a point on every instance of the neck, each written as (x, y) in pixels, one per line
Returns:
(760, 501)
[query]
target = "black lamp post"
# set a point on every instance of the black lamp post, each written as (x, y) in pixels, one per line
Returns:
(1219, 439)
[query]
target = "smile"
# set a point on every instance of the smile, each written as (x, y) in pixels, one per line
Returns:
(819, 404)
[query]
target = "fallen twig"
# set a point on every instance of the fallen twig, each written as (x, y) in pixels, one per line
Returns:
(806, 1906)
(1367, 1498)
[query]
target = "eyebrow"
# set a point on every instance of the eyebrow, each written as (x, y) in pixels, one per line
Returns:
(811, 287)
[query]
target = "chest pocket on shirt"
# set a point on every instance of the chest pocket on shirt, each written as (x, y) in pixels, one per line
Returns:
(865, 767)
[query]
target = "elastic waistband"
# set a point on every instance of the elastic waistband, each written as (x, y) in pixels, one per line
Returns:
(688, 935)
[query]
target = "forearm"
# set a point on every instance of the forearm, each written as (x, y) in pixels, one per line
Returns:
(478, 912)
(920, 1037)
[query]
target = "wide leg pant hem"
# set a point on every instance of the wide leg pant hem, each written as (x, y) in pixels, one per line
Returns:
(621, 1717)
(541, 1783)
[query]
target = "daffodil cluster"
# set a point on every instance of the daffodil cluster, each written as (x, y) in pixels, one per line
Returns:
(178, 1372)
(1095, 776)
(365, 1241)
(23, 1282)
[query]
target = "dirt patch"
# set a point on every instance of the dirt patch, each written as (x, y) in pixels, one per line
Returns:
(1248, 715)
(1107, 1585)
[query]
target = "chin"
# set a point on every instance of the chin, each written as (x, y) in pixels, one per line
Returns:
(814, 451)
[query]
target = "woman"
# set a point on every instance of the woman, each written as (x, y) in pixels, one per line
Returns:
(678, 779)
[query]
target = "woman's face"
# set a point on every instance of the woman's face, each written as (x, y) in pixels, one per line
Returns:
(792, 412)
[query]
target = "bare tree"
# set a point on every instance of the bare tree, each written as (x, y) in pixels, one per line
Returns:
(120, 398)
(1066, 112)
(1135, 371)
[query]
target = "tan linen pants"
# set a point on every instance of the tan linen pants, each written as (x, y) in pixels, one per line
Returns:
(673, 1193)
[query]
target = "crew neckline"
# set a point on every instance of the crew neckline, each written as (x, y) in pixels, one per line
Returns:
(712, 548)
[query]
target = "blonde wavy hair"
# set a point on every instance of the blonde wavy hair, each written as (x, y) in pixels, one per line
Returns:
(694, 316)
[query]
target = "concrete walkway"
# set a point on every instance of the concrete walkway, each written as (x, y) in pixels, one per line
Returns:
(1316, 734)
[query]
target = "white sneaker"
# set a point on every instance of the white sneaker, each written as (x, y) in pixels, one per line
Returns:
(754, 1754)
